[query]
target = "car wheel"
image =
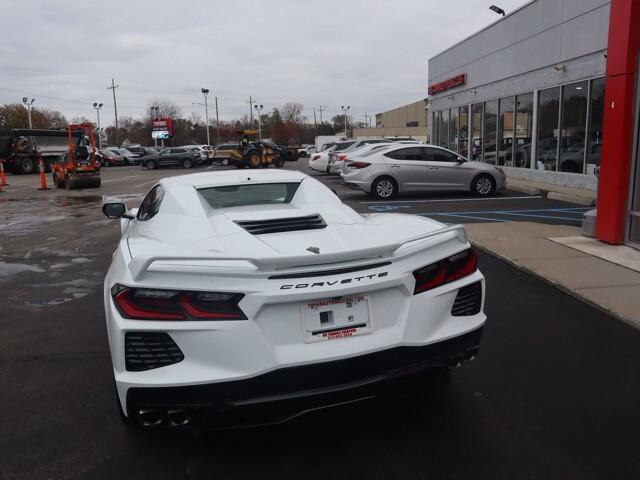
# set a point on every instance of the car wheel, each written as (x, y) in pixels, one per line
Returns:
(483, 185)
(106, 163)
(279, 163)
(225, 162)
(151, 165)
(384, 188)
(27, 165)
(57, 182)
(187, 163)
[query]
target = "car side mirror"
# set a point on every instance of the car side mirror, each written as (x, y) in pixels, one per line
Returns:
(461, 160)
(115, 210)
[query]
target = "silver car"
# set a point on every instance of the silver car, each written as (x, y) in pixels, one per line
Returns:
(385, 172)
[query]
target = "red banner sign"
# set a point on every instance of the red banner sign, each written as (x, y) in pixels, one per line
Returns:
(448, 84)
(163, 125)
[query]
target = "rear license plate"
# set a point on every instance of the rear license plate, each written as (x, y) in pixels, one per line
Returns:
(336, 318)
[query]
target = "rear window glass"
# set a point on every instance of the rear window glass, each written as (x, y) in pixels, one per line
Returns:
(253, 194)
(376, 149)
(343, 146)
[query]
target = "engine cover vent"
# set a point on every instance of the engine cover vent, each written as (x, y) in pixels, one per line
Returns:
(276, 225)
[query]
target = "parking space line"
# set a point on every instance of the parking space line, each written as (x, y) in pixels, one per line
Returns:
(457, 200)
(465, 216)
(540, 216)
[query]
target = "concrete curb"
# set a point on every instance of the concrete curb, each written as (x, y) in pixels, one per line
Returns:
(557, 285)
(523, 189)
(566, 197)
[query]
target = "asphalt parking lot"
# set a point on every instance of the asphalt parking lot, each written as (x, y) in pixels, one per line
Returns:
(553, 394)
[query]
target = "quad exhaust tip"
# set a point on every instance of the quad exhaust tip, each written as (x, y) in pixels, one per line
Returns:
(152, 417)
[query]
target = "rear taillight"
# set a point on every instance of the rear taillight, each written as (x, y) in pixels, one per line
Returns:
(358, 164)
(445, 271)
(315, 157)
(155, 304)
(341, 158)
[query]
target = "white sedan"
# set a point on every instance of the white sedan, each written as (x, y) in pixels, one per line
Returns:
(237, 296)
(320, 161)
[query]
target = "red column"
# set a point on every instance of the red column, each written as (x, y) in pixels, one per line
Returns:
(618, 134)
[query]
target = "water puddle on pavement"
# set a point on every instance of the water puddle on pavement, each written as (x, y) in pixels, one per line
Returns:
(8, 270)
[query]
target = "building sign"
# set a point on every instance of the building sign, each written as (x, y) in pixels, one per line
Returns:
(162, 128)
(448, 84)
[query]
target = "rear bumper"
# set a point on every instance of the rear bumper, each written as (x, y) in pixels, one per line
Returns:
(285, 393)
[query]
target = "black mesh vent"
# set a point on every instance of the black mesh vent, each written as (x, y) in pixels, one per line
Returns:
(147, 350)
(468, 301)
(258, 227)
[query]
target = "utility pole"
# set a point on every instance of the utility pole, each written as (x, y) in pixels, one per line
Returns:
(321, 108)
(205, 92)
(315, 123)
(217, 124)
(98, 106)
(251, 110)
(115, 106)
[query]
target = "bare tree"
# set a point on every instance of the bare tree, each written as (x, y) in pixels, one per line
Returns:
(167, 109)
(292, 112)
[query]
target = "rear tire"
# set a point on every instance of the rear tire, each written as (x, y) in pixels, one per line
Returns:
(187, 163)
(151, 165)
(279, 163)
(57, 182)
(26, 165)
(384, 188)
(483, 185)
(252, 159)
(225, 162)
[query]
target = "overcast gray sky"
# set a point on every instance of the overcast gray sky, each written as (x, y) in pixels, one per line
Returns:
(370, 54)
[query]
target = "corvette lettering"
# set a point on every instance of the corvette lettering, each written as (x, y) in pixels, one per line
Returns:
(333, 282)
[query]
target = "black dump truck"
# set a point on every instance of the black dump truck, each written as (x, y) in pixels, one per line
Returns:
(22, 148)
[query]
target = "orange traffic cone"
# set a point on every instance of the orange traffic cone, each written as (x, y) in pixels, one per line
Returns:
(3, 177)
(43, 179)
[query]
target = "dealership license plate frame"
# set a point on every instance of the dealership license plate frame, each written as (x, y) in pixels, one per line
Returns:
(334, 318)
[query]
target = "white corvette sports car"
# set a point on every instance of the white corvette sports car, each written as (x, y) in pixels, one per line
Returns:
(235, 296)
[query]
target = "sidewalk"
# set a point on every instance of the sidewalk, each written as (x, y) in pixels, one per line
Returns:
(554, 192)
(559, 255)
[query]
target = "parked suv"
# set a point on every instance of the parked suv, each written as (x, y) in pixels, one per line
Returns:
(184, 157)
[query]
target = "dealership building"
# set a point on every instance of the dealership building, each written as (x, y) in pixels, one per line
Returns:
(550, 94)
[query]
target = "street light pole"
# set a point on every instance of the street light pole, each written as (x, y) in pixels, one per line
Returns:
(98, 106)
(259, 110)
(205, 92)
(155, 112)
(28, 104)
(346, 119)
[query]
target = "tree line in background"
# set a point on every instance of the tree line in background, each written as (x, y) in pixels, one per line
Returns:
(284, 124)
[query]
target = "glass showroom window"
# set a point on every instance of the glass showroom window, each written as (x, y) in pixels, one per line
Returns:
(453, 130)
(464, 132)
(490, 131)
(476, 132)
(596, 115)
(505, 132)
(524, 129)
(435, 125)
(574, 127)
(444, 129)
(548, 111)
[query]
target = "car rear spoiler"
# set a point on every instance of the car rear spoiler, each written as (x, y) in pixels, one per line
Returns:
(141, 264)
